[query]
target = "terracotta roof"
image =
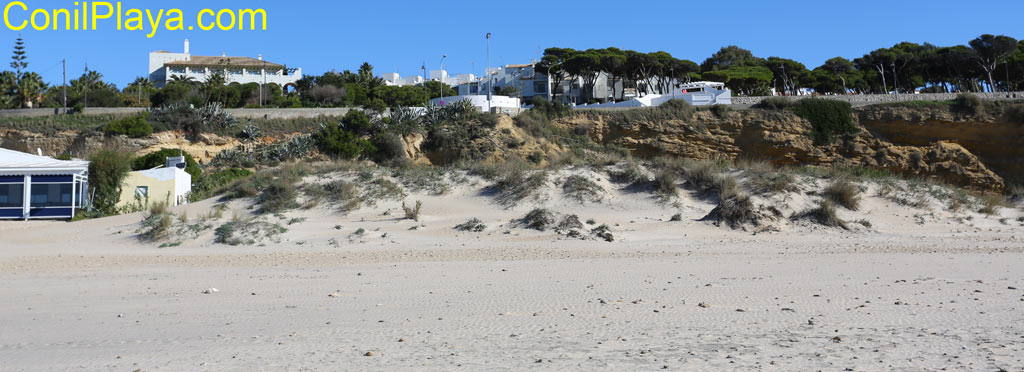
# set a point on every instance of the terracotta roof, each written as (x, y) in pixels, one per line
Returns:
(225, 61)
(518, 66)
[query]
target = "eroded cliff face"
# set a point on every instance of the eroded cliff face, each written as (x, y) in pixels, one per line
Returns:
(83, 144)
(783, 138)
(994, 136)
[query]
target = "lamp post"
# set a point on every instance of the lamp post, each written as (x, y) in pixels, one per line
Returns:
(487, 72)
(671, 82)
(264, 83)
(426, 95)
(440, 81)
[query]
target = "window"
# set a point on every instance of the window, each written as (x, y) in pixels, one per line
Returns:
(236, 71)
(11, 195)
(253, 72)
(540, 87)
(142, 192)
(177, 70)
(51, 195)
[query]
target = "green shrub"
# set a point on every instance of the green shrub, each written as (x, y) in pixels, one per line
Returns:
(157, 224)
(338, 142)
(734, 211)
(1016, 113)
(225, 234)
(665, 181)
(518, 185)
(550, 110)
(632, 174)
(341, 192)
(676, 109)
(107, 170)
(473, 225)
(194, 121)
(159, 159)
(132, 126)
(824, 214)
(829, 118)
(390, 148)
(582, 189)
(539, 219)
(356, 121)
(969, 103)
(217, 182)
(774, 103)
(278, 196)
(568, 223)
(720, 110)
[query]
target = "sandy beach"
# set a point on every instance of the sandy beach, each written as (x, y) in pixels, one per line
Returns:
(405, 295)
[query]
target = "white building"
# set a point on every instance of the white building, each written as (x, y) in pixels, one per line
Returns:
(37, 187)
(699, 93)
(498, 104)
(164, 65)
(169, 184)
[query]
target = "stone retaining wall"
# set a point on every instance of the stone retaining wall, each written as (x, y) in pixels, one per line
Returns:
(290, 113)
(868, 99)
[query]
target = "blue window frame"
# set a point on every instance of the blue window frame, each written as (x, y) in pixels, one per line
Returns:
(46, 195)
(12, 195)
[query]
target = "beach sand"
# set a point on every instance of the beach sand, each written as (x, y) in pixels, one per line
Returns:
(907, 296)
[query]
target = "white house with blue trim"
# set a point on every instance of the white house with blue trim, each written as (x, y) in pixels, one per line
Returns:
(40, 187)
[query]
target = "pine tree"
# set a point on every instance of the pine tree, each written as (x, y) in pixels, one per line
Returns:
(19, 58)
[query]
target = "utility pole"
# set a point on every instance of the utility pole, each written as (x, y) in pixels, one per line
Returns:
(426, 95)
(264, 83)
(87, 83)
(64, 72)
(487, 72)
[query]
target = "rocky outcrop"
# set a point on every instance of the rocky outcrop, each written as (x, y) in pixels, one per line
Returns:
(994, 136)
(494, 144)
(783, 138)
(83, 144)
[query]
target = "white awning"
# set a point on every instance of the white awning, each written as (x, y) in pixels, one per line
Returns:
(13, 163)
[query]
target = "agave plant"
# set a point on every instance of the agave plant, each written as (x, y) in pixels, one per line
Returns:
(214, 115)
(251, 133)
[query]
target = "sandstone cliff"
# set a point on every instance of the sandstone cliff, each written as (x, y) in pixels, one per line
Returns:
(82, 144)
(783, 138)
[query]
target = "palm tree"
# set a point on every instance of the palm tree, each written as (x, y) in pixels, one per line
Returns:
(141, 82)
(29, 87)
(140, 88)
(8, 90)
(183, 79)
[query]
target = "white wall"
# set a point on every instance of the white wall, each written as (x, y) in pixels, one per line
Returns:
(480, 101)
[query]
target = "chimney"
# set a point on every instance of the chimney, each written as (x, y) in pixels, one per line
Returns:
(223, 54)
(259, 57)
(186, 46)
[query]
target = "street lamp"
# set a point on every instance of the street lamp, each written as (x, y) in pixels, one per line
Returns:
(671, 82)
(487, 72)
(440, 80)
(426, 94)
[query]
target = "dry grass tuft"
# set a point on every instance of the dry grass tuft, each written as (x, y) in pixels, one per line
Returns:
(824, 214)
(844, 193)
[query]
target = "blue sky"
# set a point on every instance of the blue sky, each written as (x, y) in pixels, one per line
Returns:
(399, 36)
